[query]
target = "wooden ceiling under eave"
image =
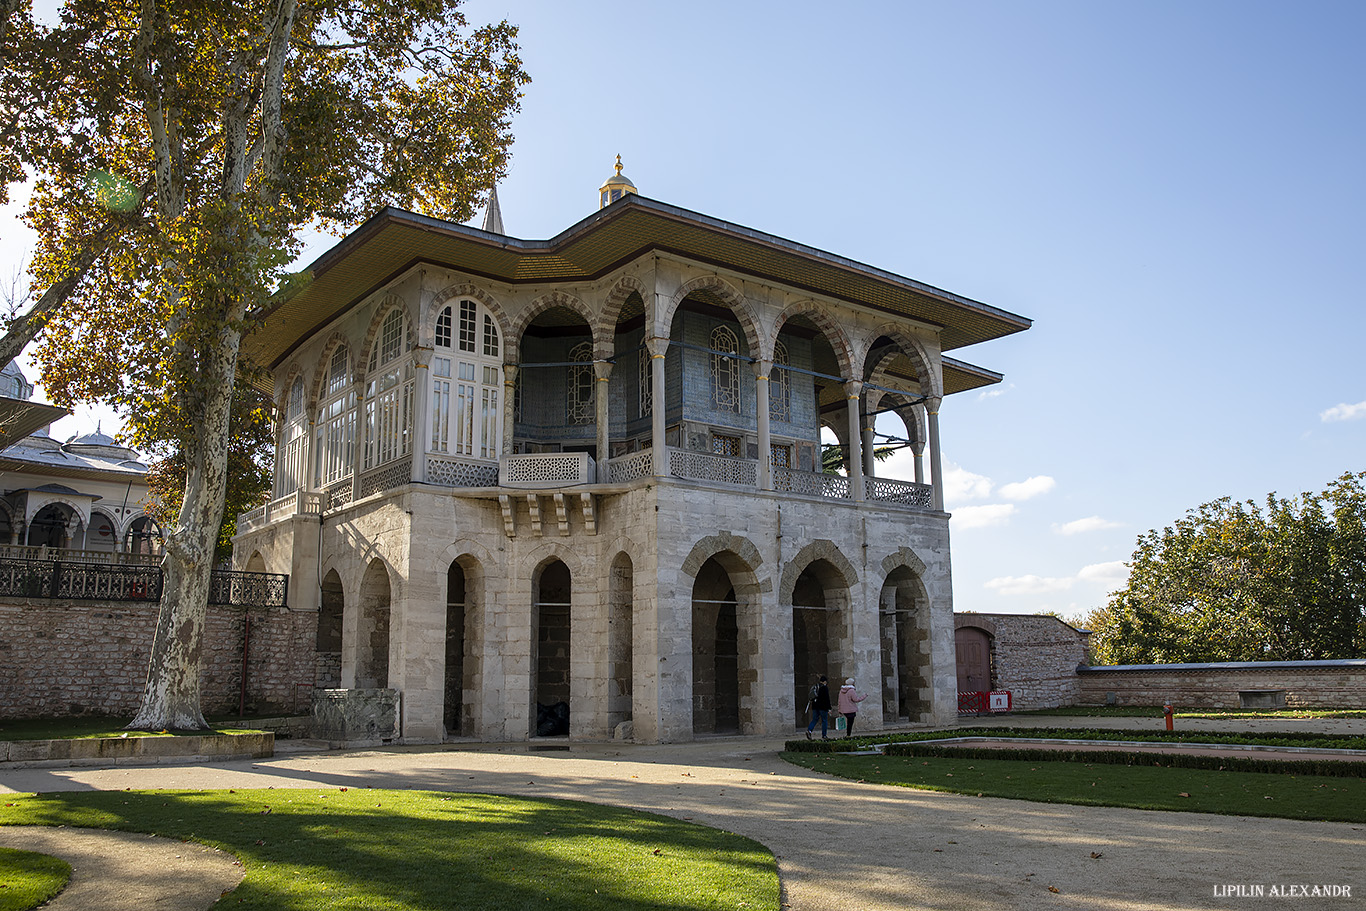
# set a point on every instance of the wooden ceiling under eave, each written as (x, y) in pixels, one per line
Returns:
(394, 240)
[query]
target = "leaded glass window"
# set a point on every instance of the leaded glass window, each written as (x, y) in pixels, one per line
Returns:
(647, 380)
(335, 428)
(468, 322)
(725, 370)
(780, 386)
(580, 398)
(466, 414)
(443, 329)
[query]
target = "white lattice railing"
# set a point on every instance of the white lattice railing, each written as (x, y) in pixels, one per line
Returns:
(907, 493)
(631, 467)
(811, 483)
(703, 466)
(338, 495)
(298, 503)
(387, 477)
(447, 472)
(33, 552)
(546, 469)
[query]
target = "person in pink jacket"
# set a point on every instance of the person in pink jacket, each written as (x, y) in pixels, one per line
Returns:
(849, 700)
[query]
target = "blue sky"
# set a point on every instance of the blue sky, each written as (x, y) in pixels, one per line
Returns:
(1175, 193)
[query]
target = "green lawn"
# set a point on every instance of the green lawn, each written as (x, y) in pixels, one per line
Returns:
(28, 879)
(1140, 786)
(383, 850)
(71, 728)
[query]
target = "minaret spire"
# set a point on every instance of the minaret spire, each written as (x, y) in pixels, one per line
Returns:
(493, 215)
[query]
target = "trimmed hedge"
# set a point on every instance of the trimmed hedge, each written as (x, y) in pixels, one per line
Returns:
(1271, 738)
(1328, 767)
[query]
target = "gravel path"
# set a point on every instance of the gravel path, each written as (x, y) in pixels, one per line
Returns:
(846, 846)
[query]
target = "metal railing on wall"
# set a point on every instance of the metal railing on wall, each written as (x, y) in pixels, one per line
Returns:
(61, 580)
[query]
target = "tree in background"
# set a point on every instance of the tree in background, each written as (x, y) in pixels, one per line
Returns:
(1232, 581)
(177, 151)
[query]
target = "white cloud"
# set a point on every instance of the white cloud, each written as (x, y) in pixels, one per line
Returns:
(994, 392)
(1028, 488)
(1344, 412)
(961, 484)
(1083, 526)
(1028, 585)
(982, 516)
(1112, 574)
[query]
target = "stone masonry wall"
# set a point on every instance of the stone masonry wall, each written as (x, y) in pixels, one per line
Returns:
(1193, 686)
(1034, 657)
(90, 658)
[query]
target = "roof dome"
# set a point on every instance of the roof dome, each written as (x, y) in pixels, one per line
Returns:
(615, 187)
(102, 446)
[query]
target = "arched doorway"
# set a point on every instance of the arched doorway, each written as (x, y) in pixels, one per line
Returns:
(903, 614)
(619, 641)
(456, 595)
(372, 634)
(49, 526)
(716, 636)
(101, 537)
(551, 626)
(820, 630)
(327, 666)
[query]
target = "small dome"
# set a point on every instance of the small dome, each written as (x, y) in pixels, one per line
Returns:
(615, 187)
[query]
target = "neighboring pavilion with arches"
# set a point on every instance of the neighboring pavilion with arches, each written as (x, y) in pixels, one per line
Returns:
(588, 470)
(85, 497)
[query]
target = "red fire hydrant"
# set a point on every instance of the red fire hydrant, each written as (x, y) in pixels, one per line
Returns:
(1167, 713)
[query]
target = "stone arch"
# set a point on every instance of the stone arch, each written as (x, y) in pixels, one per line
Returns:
(256, 563)
(376, 599)
(905, 632)
(931, 379)
(615, 300)
(736, 553)
(903, 556)
(328, 635)
(334, 341)
(109, 542)
(816, 550)
(723, 289)
(451, 292)
(7, 522)
(549, 301)
(620, 639)
(829, 326)
(295, 371)
(389, 303)
(464, 629)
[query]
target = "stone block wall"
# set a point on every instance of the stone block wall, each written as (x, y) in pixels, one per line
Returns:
(1301, 684)
(90, 658)
(1035, 657)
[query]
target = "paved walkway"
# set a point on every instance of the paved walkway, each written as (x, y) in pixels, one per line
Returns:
(843, 845)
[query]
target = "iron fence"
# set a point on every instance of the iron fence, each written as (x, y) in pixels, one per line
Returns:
(69, 581)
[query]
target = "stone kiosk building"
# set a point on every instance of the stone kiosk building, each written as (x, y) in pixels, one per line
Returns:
(587, 470)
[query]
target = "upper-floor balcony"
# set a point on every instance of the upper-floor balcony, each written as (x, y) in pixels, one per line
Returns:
(579, 472)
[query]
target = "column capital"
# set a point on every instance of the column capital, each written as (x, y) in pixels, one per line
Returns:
(509, 374)
(933, 402)
(763, 368)
(602, 370)
(658, 347)
(853, 388)
(422, 357)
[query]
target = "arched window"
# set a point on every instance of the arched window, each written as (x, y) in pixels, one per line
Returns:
(725, 370)
(335, 430)
(580, 399)
(647, 379)
(780, 386)
(467, 379)
(389, 395)
(289, 470)
(144, 537)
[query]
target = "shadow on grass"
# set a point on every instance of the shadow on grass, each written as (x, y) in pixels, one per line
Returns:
(372, 849)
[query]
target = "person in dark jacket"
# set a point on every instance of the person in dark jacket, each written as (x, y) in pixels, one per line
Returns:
(819, 708)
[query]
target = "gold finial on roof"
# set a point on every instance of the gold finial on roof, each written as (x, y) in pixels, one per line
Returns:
(615, 187)
(618, 164)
